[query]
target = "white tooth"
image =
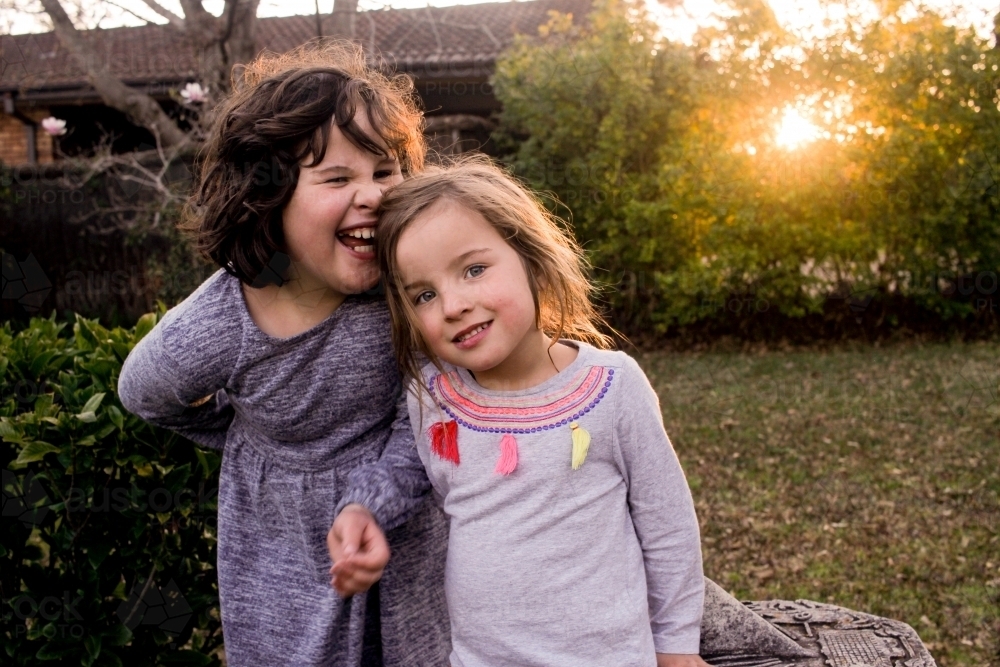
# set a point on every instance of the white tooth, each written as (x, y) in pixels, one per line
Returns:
(473, 332)
(368, 234)
(366, 248)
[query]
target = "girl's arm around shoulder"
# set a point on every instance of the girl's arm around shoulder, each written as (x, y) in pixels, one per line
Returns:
(175, 376)
(663, 514)
(393, 487)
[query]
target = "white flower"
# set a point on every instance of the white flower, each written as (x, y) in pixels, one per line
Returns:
(193, 93)
(56, 127)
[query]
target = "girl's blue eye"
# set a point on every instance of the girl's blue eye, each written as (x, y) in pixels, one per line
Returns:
(385, 173)
(423, 297)
(475, 271)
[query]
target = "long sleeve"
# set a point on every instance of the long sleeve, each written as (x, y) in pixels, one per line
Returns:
(393, 487)
(663, 515)
(156, 387)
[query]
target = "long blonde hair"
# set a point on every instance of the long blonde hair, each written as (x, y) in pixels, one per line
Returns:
(554, 262)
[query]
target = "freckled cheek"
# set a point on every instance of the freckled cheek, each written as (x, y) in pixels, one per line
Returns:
(515, 307)
(429, 327)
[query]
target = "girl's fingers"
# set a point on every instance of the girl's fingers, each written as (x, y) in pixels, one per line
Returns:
(374, 547)
(358, 549)
(351, 583)
(357, 566)
(353, 575)
(346, 534)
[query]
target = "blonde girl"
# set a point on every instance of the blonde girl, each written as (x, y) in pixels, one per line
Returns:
(573, 538)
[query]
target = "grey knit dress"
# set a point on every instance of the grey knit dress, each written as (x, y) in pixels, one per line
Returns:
(305, 425)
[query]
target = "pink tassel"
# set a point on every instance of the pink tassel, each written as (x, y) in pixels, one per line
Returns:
(508, 455)
(444, 440)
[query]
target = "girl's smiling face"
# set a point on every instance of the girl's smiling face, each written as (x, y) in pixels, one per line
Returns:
(470, 292)
(329, 222)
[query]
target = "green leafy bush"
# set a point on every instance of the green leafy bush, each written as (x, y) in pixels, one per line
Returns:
(695, 215)
(107, 556)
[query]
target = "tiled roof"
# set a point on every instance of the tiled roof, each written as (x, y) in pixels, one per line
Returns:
(431, 42)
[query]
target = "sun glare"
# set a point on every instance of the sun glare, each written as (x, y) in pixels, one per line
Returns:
(794, 131)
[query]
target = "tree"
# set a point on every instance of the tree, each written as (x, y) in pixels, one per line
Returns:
(221, 42)
(693, 213)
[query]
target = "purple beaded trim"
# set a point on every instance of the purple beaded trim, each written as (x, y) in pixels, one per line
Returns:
(534, 429)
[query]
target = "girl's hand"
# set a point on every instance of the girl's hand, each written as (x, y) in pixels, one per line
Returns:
(679, 660)
(358, 550)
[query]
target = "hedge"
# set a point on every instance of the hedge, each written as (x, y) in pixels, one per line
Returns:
(109, 544)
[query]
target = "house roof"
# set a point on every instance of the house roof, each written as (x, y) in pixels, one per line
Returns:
(431, 42)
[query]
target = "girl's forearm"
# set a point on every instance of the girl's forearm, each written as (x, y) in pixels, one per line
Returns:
(393, 487)
(153, 386)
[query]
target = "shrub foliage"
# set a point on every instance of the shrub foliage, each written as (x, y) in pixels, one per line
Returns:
(695, 214)
(108, 547)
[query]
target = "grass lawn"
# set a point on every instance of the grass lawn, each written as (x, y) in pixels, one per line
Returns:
(868, 477)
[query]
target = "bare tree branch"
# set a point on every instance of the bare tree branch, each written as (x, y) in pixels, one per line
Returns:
(240, 39)
(344, 14)
(173, 19)
(220, 43)
(143, 18)
(199, 20)
(141, 108)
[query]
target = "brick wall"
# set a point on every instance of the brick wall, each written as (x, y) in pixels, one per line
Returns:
(14, 142)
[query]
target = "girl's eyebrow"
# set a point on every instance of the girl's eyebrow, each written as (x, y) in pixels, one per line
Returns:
(331, 169)
(340, 168)
(467, 254)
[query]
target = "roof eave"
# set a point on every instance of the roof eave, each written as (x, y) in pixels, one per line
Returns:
(75, 94)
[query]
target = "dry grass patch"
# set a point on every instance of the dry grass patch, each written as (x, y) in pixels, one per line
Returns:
(865, 477)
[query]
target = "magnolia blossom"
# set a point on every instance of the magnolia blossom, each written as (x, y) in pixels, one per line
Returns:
(56, 127)
(193, 93)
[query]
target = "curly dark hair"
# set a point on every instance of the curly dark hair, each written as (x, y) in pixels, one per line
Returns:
(279, 116)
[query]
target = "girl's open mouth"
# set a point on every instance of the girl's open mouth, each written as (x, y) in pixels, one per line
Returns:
(359, 239)
(472, 335)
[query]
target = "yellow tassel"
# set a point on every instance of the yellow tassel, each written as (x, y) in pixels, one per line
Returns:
(581, 443)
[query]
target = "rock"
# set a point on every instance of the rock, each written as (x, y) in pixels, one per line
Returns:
(779, 633)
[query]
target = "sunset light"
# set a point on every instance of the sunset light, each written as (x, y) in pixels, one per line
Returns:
(794, 130)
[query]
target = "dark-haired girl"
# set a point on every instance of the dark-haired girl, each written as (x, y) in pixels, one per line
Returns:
(283, 362)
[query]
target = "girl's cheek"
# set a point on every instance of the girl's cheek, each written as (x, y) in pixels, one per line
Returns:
(426, 327)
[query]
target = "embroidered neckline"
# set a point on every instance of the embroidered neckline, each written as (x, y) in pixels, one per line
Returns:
(520, 414)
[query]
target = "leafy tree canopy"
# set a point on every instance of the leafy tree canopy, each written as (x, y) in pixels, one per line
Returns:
(669, 159)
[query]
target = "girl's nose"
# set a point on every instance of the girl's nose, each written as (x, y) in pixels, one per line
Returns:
(454, 304)
(369, 195)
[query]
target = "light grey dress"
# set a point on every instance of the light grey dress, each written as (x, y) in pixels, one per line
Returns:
(294, 419)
